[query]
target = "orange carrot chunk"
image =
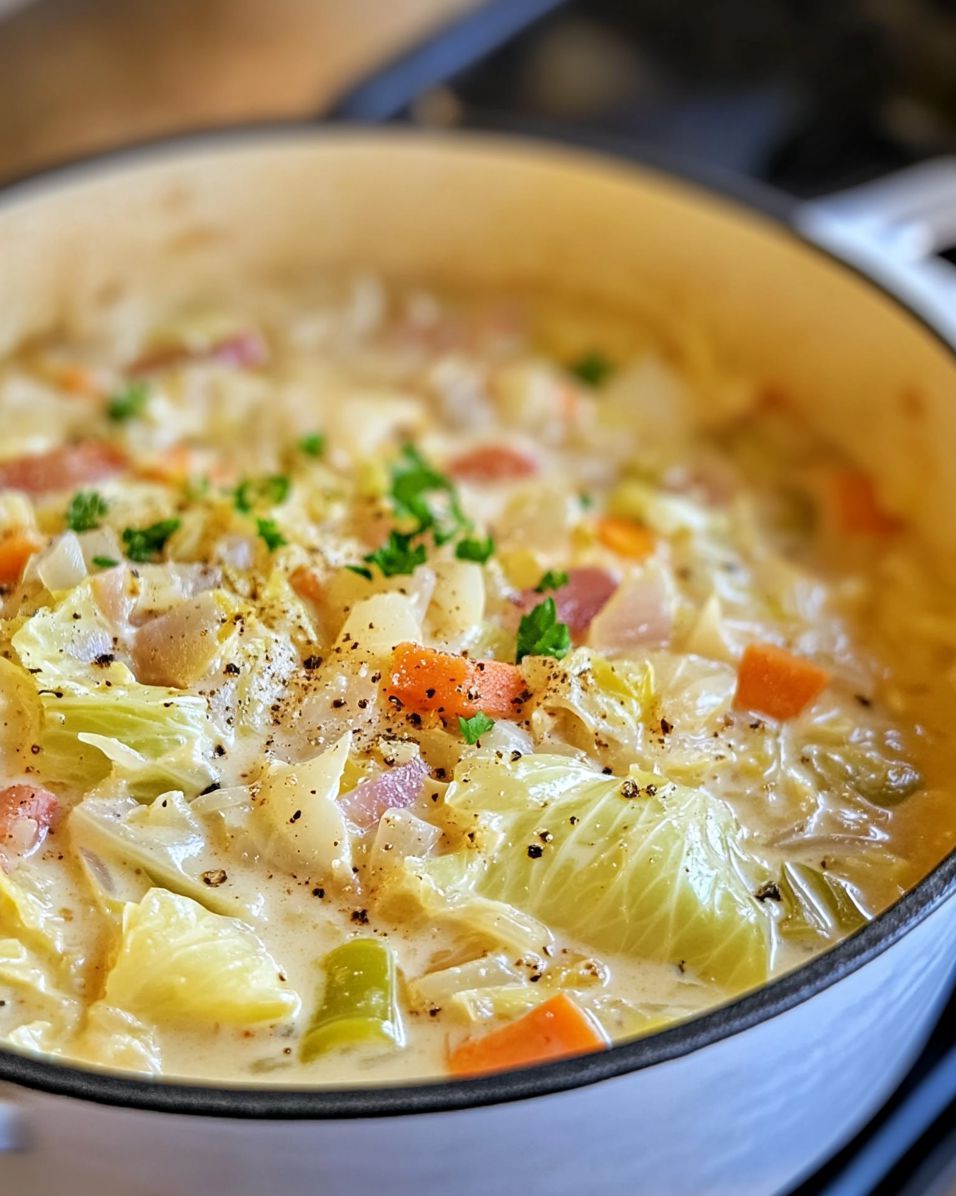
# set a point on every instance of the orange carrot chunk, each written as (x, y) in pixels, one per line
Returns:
(554, 1030)
(626, 537)
(424, 679)
(774, 682)
(856, 509)
(16, 548)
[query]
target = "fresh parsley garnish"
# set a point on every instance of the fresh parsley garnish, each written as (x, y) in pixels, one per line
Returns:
(540, 633)
(429, 500)
(313, 445)
(475, 550)
(128, 402)
(473, 728)
(105, 562)
(272, 490)
(554, 579)
(592, 368)
(269, 532)
(586, 500)
(421, 493)
(86, 511)
(397, 555)
(146, 543)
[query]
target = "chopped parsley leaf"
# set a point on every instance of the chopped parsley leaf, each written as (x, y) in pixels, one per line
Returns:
(145, 543)
(592, 368)
(361, 570)
(586, 500)
(127, 403)
(86, 511)
(104, 562)
(313, 445)
(270, 533)
(540, 633)
(473, 728)
(554, 579)
(272, 490)
(475, 550)
(397, 555)
(413, 481)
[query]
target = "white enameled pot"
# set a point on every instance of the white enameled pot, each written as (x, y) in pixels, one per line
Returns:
(745, 1099)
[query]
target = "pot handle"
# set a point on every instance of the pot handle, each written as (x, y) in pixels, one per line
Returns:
(896, 230)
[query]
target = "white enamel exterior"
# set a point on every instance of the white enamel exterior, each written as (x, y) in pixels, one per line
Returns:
(748, 1114)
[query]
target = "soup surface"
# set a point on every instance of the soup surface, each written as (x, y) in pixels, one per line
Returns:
(394, 686)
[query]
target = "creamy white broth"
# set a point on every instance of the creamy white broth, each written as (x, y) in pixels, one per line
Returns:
(234, 469)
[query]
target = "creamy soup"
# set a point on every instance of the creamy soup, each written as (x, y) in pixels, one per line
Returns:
(394, 686)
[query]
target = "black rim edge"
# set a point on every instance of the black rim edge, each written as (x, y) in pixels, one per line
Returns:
(440, 1096)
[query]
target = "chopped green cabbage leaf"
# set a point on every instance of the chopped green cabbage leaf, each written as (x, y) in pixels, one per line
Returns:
(29, 909)
(861, 761)
(817, 905)
(589, 695)
(126, 847)
(298, 817)
(96, 718)
(24, 973)
(35, 1038)
(20, 717)
(443, 889)
(115, 1039)
(177, 962)
(637, 865)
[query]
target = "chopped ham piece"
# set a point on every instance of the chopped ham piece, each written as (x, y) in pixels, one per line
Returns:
(493, 463)
(26, 814)
(586, 593)
(244, 350)
(63, 468)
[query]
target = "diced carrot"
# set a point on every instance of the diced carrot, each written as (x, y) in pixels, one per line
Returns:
(176, 464)
(307, 585)
(626, 537)
(424, 679)
(16, 548)
(856, 509)
(76, 380)
(493, 463)
(63, 468)
(555, 1030)
(774, 682)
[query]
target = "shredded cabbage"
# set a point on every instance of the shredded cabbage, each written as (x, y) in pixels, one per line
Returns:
(635, 865)
(177, 962)
(125, 847)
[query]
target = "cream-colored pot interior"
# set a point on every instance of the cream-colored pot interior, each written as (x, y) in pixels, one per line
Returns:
(489, 212)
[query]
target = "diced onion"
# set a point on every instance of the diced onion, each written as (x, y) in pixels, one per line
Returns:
(62, 566)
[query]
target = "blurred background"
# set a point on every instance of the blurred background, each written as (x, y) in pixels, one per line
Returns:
(810, 96)
(807, 94)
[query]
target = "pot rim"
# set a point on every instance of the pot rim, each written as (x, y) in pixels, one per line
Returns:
(440, 1096)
